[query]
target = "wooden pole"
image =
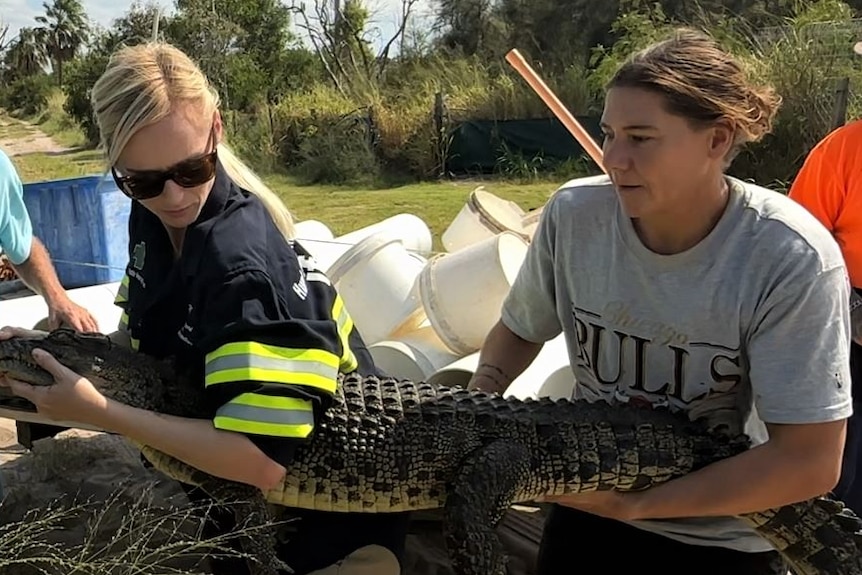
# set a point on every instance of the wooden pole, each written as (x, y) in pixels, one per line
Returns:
(518, 62)
(156, 18)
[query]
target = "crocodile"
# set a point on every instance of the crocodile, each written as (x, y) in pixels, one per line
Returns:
(390, 445)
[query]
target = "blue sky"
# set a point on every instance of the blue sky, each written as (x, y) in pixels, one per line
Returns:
(19, 13)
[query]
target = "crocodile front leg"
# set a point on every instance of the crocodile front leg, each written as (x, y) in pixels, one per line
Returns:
(483, 490)
(247, 502)
(252, 513)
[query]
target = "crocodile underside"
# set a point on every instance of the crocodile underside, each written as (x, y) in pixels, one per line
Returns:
(389, 446)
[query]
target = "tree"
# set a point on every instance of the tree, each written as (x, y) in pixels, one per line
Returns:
(339, 32)
(64, 30)
(241, 45)
(136, 25)
(24, 56)
(4, 32)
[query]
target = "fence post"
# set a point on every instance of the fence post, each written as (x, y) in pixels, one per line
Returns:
(842, 96)
(156, 17)
(439, 130)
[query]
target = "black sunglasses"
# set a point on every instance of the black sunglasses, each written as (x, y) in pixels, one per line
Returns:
(188, 174)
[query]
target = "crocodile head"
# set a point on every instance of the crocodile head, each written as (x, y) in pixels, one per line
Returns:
(84, 354)
(116, 371)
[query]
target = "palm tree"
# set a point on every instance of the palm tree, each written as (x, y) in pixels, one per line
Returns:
(25, 55)
(65, 29)
(4, 31)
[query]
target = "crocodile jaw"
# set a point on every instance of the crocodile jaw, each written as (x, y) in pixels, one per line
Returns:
(24, 370)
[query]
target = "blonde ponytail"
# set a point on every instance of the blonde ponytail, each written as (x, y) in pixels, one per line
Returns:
(246, 179)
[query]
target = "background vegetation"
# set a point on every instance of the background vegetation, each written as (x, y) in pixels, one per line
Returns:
(314, 95)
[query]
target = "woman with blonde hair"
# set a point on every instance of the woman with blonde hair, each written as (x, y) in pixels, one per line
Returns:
(215, 279)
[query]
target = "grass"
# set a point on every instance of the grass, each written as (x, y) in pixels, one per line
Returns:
(55, 122)
(16, 131)
(40, 166)
(342, 208)
(130, 532)
(345, 208)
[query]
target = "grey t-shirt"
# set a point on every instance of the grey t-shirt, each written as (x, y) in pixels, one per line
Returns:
(751, 325)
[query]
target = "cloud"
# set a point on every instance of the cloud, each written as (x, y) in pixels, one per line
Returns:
(19, 13)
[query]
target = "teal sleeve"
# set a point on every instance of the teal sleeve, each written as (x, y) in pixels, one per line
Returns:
(16, 229)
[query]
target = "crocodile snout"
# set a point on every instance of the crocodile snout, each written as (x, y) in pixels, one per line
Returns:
(25, 370)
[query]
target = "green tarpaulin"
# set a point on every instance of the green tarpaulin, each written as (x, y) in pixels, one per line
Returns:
(482, 146)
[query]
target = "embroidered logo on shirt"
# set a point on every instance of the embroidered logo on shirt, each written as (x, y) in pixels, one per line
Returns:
(301, 288)
(185, 332)
(139, 254)
(312, 270)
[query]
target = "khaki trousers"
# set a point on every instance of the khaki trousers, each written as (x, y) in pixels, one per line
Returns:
(368, 560)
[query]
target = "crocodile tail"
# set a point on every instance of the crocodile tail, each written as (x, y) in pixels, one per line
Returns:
(819, 536)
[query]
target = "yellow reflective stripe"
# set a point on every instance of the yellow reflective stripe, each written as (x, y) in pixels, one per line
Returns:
(123, 325)
(345, 325)
(242, 426)
(123, 291)
(253, 361)
(266, 415)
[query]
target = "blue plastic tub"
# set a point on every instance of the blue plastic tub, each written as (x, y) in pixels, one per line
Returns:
(84, 224)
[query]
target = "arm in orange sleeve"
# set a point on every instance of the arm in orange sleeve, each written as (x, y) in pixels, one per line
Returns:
(820, 185)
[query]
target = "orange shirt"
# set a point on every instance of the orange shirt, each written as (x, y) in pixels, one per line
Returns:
(829, 185)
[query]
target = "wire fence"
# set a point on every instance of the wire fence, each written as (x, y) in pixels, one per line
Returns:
(816, 62)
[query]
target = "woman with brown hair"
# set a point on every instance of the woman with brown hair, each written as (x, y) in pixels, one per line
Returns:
(678, 285)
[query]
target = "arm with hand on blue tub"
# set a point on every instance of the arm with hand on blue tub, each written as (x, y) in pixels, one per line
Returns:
(30, 258)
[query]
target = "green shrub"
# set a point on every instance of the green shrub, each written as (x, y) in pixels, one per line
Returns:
(27, 96)
(80, 75)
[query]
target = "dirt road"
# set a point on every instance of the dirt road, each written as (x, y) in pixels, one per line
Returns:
(18, 138)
